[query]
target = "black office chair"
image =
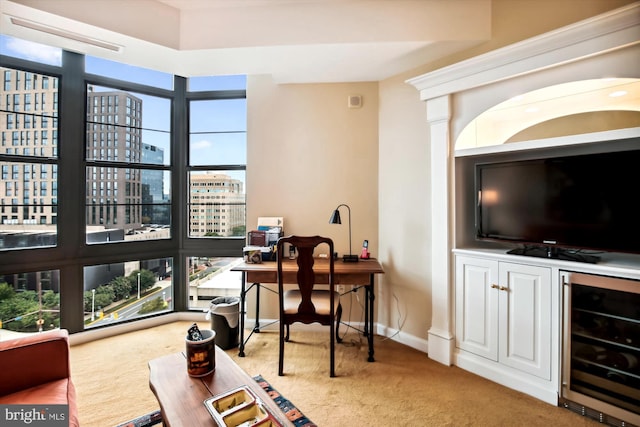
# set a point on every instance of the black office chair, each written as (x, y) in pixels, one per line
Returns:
(305, 303)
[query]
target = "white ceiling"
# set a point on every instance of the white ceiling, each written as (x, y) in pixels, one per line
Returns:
(296, 41)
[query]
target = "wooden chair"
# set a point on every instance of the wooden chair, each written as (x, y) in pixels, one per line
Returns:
(304, 303)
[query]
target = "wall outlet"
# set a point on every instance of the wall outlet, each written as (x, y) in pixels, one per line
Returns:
(340, 289)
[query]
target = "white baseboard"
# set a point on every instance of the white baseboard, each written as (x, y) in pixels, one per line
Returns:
(409, 340)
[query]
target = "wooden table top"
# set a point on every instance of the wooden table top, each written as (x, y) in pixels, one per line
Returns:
(182, 397)
(363, 266)
(345, 273)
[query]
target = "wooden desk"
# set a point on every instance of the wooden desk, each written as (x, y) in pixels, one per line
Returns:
(359, 273)
(182, 397)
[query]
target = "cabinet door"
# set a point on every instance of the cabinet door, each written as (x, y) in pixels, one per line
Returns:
(525, 318)
(477, 306)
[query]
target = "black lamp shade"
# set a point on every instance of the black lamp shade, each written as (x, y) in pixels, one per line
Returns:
(335, 217)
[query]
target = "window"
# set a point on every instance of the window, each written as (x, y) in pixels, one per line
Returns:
(125, 127)
(30, 302)
(124, 291)
(210, 278)
(217, 204)
(216, 182)
(120, 150)
(25, 230)
(217, 153)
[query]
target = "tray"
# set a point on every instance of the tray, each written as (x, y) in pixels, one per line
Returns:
(240, 408)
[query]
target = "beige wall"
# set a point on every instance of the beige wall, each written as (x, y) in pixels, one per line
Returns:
(307, 153)
(404, 295)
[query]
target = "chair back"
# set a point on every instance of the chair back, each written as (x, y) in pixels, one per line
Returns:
(305, 304)
(306, 276)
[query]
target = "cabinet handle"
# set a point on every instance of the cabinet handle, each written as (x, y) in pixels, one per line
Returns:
(502, 288)
(494, 286)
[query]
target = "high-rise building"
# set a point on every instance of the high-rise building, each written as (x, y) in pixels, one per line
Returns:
(217, 205)
(155, 209)
(114, 133)
(28, 129)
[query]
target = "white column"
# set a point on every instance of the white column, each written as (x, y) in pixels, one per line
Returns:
(441, 334)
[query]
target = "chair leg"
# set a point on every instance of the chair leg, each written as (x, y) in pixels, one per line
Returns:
(339, 317)
(286, 338)
(281, 350)
(332, 346)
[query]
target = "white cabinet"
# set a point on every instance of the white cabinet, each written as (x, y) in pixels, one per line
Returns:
(504, 312)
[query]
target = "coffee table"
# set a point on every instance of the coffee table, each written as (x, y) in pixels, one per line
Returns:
(182, 397)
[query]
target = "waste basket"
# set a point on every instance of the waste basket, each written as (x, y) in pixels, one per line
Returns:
(225, 316)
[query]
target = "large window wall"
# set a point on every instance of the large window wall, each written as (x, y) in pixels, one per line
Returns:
(130, 205)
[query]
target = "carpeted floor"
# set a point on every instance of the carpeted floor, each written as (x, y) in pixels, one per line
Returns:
(403, 387)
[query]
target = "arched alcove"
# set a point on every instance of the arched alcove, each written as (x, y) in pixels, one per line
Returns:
(566, 109)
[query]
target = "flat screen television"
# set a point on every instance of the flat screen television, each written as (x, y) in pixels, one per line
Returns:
(561, 207)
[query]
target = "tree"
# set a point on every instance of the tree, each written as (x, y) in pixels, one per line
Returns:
(121, 287)
(6, 291)
(50, 299)
(51, 307)
(87, 301)
(147, 280)
(19, 313)
(240, 230)
(104, 296)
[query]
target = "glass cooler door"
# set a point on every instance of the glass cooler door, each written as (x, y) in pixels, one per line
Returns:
(603, 341)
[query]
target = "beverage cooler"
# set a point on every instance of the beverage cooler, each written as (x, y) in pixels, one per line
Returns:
(601, 348)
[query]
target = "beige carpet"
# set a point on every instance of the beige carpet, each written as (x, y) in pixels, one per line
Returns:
(403, 387)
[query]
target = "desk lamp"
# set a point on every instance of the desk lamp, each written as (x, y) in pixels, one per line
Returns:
(335, 219)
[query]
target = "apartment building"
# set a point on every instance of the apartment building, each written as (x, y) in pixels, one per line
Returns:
(217, 205)
(114, 133)
(28, 129)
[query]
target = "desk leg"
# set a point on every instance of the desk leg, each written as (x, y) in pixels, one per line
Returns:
(366, 311)
(369, 329)
(243, 294)
(256, 328)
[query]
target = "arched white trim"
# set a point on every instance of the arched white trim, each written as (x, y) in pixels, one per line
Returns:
(501, 122)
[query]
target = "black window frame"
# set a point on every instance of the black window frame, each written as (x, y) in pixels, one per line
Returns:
(72, 253)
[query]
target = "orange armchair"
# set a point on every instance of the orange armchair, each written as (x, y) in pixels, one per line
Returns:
(36, 370)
